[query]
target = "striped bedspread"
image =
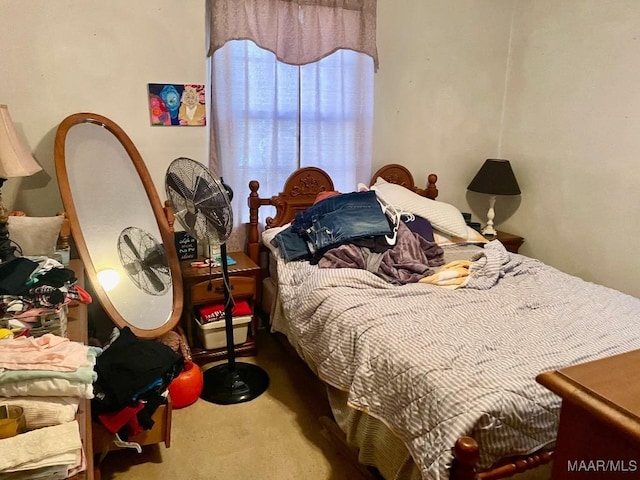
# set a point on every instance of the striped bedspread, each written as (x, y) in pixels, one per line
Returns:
(434, 363)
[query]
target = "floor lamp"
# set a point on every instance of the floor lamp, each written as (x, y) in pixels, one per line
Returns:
(15, 161)
(495, 177)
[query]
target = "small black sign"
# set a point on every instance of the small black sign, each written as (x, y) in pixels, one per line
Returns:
(186, 246)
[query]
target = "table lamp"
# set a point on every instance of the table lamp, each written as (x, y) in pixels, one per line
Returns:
(495, 177)
(15, 161)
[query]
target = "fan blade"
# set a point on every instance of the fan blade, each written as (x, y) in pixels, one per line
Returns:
(177, 185)
(131, 246)
(187, 220)
(155, 280)
(212, 207)
(154, 257)
(190, 220)
(202, 189)
(132, 268)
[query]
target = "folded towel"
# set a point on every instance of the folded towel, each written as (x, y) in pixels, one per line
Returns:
(55, 472)
(46, 387)
(45, 411)
(47, 446)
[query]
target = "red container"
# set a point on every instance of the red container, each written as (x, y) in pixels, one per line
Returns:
(186, 388)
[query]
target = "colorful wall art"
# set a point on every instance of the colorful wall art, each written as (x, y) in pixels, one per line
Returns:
(173, 104)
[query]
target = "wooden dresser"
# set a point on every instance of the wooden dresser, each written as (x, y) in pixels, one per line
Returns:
(599, 433)
(77, 330)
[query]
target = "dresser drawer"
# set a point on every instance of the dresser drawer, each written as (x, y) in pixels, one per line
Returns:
(209, 292)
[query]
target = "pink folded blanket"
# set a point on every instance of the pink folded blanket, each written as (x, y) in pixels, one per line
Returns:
(48, 352)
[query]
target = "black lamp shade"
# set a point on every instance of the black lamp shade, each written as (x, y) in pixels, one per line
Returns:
(495, 177)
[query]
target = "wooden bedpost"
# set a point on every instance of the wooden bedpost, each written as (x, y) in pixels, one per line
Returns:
(168, 213)
(253, 235)
(466, 454)
(432, 190)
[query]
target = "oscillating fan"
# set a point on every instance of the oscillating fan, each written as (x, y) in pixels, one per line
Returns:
(144, 260)
(202, 206)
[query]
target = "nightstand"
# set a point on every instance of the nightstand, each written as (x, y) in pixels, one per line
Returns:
(599, 433)
(510, 241)
(243, 279)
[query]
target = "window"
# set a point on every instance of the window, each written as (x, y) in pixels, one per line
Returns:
(273, 118)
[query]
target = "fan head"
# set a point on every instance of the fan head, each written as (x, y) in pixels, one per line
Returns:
(144, 260)
(199, 200)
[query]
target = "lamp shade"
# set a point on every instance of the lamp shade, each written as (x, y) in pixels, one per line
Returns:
(15, 158)
(495, 177)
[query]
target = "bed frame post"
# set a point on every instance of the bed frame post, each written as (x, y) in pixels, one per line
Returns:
(466, 454)
(432, 190)
(253, 235)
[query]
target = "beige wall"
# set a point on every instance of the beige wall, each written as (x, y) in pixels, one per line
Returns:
(550, 85)
(572, 122)
(439, 90)
(66, 56)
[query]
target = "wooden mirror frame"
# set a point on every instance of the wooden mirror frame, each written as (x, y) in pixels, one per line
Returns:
(166, 232)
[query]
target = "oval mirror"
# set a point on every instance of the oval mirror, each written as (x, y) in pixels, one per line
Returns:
(118, 225)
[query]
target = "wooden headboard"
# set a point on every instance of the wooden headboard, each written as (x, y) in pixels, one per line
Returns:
(394, 173)
(301, 189)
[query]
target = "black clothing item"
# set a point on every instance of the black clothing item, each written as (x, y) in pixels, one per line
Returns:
(144, 415)
(56, 277)
(129, 366)
(14, 275)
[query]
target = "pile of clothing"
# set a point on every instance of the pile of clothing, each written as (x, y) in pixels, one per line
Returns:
(133, 376)
(359, 230)
(36, 288)
(45, 378)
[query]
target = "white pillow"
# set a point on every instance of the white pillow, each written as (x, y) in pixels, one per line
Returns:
(443, 216)
(269, 234)
(35, 236)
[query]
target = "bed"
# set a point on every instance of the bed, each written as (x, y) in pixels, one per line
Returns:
(428, 381)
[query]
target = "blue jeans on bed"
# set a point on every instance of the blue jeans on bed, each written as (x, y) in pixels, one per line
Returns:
(331, 222)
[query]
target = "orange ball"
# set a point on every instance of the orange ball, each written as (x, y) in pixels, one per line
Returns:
(186, 388)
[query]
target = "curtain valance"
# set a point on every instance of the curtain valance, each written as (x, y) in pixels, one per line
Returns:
(296, 31)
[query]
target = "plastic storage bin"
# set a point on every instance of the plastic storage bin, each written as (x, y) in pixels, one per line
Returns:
(213, 335)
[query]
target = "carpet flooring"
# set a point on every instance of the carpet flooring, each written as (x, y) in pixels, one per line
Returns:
(275, 436)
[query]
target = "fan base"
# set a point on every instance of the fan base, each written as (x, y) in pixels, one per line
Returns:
(226, 387)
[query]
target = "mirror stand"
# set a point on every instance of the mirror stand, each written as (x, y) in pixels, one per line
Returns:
(121, 233)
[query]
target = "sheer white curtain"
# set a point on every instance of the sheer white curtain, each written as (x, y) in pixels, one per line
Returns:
(291, 85)
(273, 117)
